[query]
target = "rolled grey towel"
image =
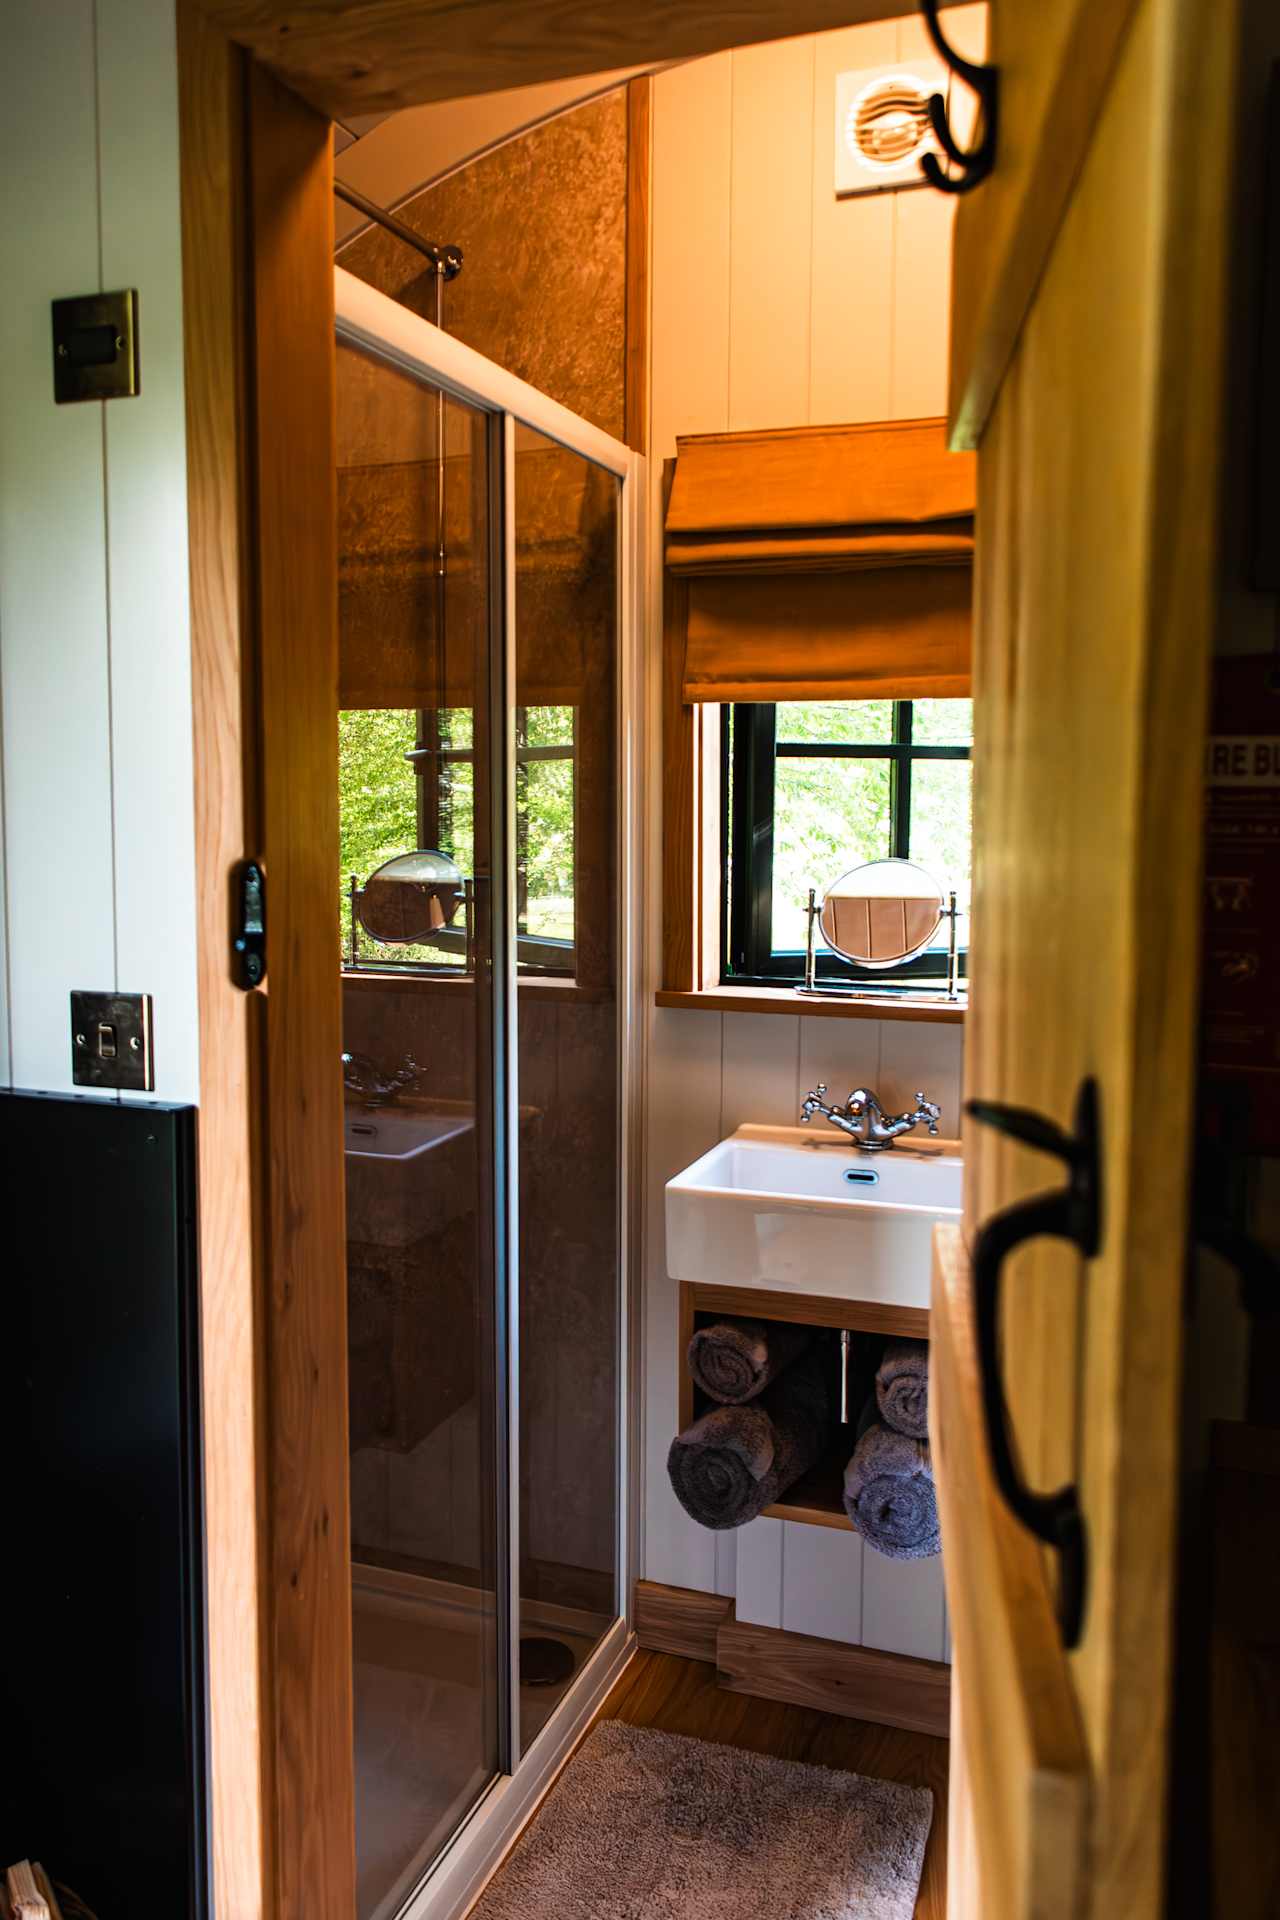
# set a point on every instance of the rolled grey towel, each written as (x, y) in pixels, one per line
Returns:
(735, 1360)
(889, 1494)
(735, 1461)
(902, 1387)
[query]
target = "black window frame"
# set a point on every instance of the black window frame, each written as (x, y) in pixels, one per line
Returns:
(750, 750)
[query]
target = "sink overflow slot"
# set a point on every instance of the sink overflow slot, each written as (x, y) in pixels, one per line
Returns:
(860, 1176)
(372, 1133)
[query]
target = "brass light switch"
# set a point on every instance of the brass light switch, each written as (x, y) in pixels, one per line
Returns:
(111, 1041)
(95, 347)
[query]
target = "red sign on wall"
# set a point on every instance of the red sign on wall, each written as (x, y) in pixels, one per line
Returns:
(1240, 1049)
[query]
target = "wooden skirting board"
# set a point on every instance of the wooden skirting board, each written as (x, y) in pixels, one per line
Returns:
(861, 1683)
(680, 1619)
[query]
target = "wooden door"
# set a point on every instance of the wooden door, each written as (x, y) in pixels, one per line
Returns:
(1089, 299)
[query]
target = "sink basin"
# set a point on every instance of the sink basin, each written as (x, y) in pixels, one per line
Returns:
(398, 1133)
(410, 1170)
(778, 1208)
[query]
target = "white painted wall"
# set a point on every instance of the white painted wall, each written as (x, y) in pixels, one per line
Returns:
(96, 835)
(776, 305)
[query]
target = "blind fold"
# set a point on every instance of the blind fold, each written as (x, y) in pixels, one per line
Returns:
(825, 563)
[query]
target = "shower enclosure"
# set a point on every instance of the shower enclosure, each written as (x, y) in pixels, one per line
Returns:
(487, 582)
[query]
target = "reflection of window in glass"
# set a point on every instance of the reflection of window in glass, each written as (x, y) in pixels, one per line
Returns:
(406, 779)
(814, 788)
(545, 795)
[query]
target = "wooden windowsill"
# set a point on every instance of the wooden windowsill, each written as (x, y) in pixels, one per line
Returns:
(785, 1000)
(567, 992)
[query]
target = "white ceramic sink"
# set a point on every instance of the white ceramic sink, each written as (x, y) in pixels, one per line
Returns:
(398, 1133)
(777, 1208)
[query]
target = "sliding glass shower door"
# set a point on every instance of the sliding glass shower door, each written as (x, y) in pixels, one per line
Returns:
(423, 1113)
(482, 563)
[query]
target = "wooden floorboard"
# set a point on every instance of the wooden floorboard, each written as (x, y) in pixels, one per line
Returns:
(681, 1696)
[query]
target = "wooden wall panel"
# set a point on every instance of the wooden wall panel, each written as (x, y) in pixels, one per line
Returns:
(822, 1585)
(212, 77)
(54, 675)
(147, 567)
(770, 236)
(759, 1591)
(292, 210)
(93, 600)
(682, 1121)
(902, 1605)
(760, 1071)
(852, 293)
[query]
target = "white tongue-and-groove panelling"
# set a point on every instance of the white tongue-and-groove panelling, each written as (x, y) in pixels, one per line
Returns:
(97, 838)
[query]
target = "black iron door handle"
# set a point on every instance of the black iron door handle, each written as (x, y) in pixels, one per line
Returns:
(1073, 1213)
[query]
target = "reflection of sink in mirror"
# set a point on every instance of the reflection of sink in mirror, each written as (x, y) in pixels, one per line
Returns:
(410, 1169)
(398, 1133)
(772, 1207)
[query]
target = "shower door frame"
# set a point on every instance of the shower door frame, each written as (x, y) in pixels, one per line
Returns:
(380, 327)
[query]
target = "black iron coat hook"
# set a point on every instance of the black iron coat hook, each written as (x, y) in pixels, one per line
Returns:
(1072, 1213)
(976, 163)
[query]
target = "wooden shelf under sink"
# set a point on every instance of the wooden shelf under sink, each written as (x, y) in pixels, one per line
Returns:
(816, 1498)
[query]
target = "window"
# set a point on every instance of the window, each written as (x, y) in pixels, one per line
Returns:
(407, 780)
(814, 788)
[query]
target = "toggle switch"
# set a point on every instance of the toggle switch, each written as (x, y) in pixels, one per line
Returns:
(111, 1041)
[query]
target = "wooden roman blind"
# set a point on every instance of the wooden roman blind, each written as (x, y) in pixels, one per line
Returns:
(824, 563)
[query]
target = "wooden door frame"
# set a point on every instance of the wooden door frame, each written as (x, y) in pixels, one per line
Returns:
(257, 228)
(257, 214)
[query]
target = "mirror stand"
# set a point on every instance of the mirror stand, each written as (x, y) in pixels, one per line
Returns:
(356, 958)
(867, 988)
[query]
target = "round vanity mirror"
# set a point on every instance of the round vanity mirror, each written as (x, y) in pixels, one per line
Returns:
(882, 914)
(408, 900)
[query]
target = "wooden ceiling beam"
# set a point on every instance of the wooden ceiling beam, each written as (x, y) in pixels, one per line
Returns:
(350, 57)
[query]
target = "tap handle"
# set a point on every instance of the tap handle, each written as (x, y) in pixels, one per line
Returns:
(931, 1111)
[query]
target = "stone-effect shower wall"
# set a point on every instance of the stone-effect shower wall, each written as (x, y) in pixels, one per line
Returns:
(542, 225)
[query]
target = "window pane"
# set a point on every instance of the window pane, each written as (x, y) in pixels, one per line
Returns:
(941, 808)
(548, 726)
(456, 729)
(377, 792)
(848, 722)
(378, 815)
(544, 838)
(942, 723)
(458, 813)
(829, 815)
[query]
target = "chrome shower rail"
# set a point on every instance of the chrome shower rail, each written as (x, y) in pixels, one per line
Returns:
(446, 260)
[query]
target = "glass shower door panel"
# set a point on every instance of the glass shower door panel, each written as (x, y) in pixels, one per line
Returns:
(418, 1021)
(566, 777)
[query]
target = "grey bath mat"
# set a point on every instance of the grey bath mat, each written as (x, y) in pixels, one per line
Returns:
(644, 1825)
